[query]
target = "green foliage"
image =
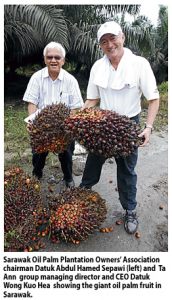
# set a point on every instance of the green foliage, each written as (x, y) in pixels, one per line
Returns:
(163, 88)
(28, 28)
(15, 134)
(159, 57)
(28, 70)
(161, 119)
(69, 66)
(163, 91)
(9, 235)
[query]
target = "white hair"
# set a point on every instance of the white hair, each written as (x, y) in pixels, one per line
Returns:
(55, 45)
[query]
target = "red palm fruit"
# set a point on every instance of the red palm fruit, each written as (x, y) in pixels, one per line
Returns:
(118, 222)
(114, 135)
(27, 180)
(36, 186)
(24, 212)
(47, 129)
(75, 213)
(36, 247)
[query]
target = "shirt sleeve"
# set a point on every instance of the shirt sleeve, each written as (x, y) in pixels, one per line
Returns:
(32, 93)
(148, 84)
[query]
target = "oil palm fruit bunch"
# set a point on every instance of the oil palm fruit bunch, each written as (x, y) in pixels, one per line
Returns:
(47, 130)
(75, 214)
(104, 132)
(22, 208)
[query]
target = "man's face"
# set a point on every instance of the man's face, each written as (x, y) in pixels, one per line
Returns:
(112, 45)
(54, 61)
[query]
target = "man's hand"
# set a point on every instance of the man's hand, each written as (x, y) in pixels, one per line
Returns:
(28, 128)
(146, 133)
(152, 111)
(90, 103)
(31, 110)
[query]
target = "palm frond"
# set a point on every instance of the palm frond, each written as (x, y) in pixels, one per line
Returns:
(30, 27)
(49, 21)
(25, 36)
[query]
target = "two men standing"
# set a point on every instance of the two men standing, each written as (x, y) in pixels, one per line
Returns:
(118, 81)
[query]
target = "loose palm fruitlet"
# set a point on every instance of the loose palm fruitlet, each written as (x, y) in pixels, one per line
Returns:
(47, 130)
(22, 208)
(104, 132)
(75, 214)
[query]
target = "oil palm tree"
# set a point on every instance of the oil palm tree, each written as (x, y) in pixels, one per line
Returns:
(159, 59)
(27, 28)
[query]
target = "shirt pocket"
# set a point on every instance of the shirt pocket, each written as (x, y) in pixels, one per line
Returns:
(64, 98)
(121, 85)
(130, 85)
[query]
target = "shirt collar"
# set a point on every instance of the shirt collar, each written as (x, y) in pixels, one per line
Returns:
(101, 78)
(60, 76)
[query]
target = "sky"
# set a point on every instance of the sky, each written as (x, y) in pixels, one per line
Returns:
(151, 12)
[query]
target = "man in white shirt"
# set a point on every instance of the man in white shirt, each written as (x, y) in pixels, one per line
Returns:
(118, 80)
(53, 84)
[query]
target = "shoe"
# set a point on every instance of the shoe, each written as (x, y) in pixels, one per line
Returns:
(69, 183)
(131, 223)
(37, 176)
(85, 187)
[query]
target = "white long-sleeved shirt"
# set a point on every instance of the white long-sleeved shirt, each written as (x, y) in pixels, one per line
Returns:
(120, 90)
(42, 90)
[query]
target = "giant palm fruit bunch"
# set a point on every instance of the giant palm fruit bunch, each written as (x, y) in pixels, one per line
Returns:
(47, 130)
(104, 132)
(75, 214)
(22, 208)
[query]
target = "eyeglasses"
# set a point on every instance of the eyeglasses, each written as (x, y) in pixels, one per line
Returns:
(56, 57)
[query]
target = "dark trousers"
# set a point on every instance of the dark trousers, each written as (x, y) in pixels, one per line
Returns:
(65, 158)
(126, 176)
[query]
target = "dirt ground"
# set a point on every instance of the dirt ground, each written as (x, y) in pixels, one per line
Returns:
(152, 192)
